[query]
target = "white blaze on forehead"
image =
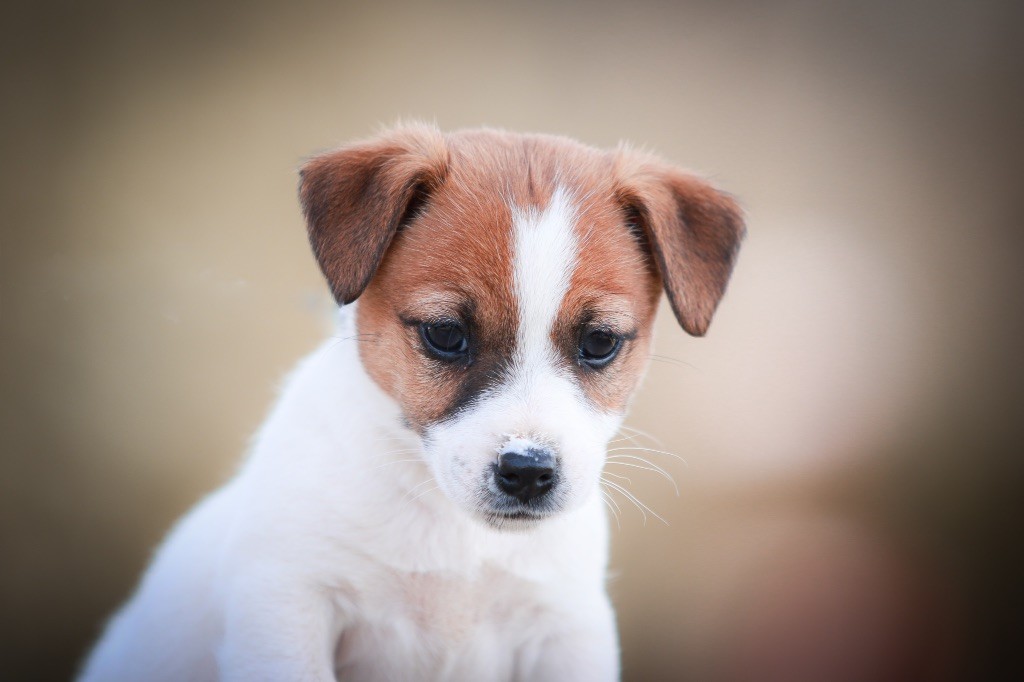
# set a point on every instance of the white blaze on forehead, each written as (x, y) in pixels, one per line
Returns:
(545, 257)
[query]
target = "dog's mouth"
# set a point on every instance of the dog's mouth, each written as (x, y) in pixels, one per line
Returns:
(513, 520)
(518, 516)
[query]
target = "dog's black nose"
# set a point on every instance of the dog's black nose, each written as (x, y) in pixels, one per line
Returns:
(525, 475)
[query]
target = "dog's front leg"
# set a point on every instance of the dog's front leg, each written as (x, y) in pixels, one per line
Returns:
(586, 651)
(275, 633)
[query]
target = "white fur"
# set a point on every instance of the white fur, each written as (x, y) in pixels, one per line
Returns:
(544, 260)
(332, 555)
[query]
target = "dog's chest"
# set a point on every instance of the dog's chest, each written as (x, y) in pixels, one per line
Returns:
(440, 625)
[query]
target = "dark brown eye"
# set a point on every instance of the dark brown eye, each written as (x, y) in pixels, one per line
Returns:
(446, 340)
(598, 347)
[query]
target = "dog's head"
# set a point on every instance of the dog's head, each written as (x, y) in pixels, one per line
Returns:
(507, 286)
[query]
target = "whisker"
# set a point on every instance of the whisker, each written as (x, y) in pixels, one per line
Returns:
(625, 478)
(354, 337)
(399, 451)
(644, 509)
(404, 438)
(614, 504)
(399, 461)
(613, 507)
(630, 439)
(673, 361)
(410, 447)
(416, 487)
(388, 454)
(425, 492)
(655, 451)
(424, 481)
(652, 467)
(615, 486)
(641, 433)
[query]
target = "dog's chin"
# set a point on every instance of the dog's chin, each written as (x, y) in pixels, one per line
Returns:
(514, 520)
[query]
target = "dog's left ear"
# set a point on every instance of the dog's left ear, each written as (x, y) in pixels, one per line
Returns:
(693, 231)
(357, 197)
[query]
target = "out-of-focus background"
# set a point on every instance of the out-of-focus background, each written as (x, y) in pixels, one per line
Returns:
(850, 425)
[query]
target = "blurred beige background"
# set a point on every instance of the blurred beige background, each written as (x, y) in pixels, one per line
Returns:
(850, 425)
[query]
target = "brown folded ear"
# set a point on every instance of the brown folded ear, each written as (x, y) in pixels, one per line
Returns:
(355, 199)
(694, 232)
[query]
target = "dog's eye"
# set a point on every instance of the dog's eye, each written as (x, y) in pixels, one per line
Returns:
(598, 347)
(447, 340)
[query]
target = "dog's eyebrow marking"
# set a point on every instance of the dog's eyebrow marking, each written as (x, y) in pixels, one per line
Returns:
(435, 303)
(546, 251)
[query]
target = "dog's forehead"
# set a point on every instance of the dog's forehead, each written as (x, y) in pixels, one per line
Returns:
(525, 171)
(465, 237)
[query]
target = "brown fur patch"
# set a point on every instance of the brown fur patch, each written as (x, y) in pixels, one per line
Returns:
(355, 198)
(453, 261)
(694, 230)
(614, 287)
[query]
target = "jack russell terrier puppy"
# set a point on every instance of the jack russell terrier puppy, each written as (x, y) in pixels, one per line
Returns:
(423, 501)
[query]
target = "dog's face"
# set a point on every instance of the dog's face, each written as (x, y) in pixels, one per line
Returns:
(507, 289)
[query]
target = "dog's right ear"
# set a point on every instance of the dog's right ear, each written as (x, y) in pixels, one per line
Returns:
(357, 197)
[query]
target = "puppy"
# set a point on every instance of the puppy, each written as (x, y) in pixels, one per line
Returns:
(422, 502)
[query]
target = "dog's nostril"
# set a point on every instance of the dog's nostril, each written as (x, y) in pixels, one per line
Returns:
(525, 475)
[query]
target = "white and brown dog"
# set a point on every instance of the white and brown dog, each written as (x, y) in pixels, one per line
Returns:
(422, 503)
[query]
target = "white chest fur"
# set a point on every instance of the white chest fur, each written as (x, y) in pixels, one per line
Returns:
(445, 627)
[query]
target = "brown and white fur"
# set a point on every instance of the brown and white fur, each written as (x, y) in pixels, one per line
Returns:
(367, 536)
